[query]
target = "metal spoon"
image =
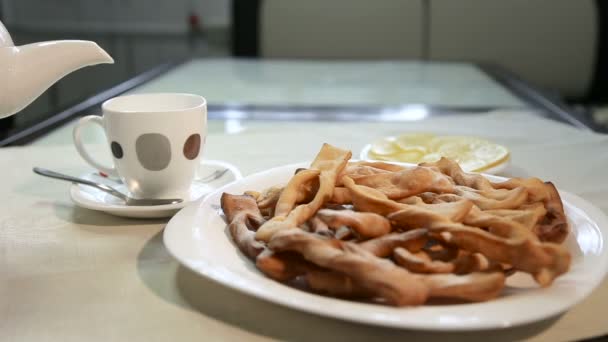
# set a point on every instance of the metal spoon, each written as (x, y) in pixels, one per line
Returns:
(213, 176)
(128, 200)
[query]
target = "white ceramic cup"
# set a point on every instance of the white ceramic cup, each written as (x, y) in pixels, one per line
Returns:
(156, 141)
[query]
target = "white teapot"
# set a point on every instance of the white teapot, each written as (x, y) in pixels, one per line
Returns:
(27, 71)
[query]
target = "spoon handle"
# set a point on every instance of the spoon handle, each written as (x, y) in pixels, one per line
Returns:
(102, 187)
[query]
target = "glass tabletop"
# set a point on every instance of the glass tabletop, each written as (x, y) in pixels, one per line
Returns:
(296, 90)
(335, 84)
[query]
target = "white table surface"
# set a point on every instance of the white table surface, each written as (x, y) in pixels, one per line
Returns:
(71, 274)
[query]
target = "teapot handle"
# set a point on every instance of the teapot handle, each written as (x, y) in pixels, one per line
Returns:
(76, 134)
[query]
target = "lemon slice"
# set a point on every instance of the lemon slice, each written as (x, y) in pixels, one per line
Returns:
(472, 153)
(384, 147)
(411, 156)
(414, 141)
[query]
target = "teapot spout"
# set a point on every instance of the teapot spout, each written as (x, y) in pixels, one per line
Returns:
(5, 38)
(76, 54)
(27, 71)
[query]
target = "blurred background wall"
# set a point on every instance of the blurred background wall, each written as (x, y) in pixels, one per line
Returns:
(552, 44)
(139, 34)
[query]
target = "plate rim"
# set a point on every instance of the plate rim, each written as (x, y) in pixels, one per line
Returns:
(592, 212)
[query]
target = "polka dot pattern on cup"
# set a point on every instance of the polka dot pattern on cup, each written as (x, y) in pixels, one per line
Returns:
(192, 146)
(116, 150)
(153, 151)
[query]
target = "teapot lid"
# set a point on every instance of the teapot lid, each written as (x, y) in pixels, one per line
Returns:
(5, 38)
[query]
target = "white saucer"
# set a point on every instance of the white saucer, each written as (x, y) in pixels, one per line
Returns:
(94, 199)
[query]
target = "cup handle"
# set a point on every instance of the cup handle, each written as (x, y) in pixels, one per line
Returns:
(109, 170)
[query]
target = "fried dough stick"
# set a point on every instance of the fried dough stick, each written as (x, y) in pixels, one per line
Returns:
(289, 196)
(305, 190)
(286, 266)
(545, 261)
(366, 199)
(465, 262)
(269, 197)
(341, 195)
(383, 246)
(378, 165)
(282, 266)
(242, 213)
(553, 227)
(335, 284)
(453, 170)
(355, 171)
(299, 189)
(494, 199)
(498, 225)
(408, 182)
(329, 162)
(317, 226)
(500, 221)
(366, 225)
(381, 277)
(438, 251)
(371, 200)
(529, 215)
(513, 245)
(478, 189)
(474, 287)
(471, 287)
(420, 262)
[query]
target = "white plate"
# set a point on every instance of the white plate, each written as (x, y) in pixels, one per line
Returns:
(95, 199)
(364, 155)
(198, 238)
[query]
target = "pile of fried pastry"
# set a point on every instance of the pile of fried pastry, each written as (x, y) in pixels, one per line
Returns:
(399, 235)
